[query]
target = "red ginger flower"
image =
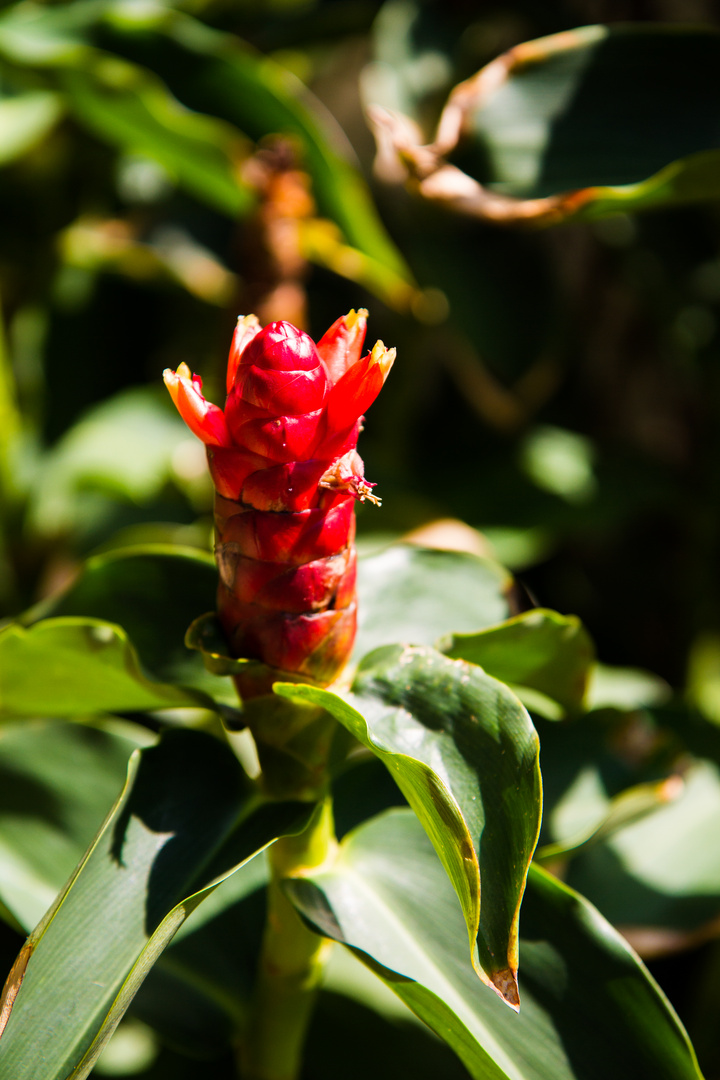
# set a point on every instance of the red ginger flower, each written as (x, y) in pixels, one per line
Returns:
(286, 472)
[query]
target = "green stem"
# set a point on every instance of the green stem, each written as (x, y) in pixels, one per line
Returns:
(291, 961)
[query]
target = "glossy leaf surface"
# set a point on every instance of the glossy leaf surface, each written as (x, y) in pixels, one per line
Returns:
(538, 651)
(415, 595)
(186, 819)
(72, 665)
(589, 1009)
(465, 755)
(154, 593)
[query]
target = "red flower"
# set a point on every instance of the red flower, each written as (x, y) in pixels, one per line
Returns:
(286, 473)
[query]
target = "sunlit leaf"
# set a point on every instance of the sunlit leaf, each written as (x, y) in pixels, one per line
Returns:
(219, 74)
(465, 755)
(625, 688)
(67, 666)
(153, 593)
(661, 873)
(415, 595)
(126, 446)
(631, 805)
(130, 107)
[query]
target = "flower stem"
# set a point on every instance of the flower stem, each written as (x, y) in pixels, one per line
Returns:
(291, 961)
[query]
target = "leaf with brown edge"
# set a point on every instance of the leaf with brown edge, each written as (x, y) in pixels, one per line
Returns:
(584, 123)
(13, 983)
(463, 751)
(589, 1009)
(187, 819)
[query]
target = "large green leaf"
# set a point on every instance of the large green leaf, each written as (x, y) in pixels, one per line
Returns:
(415, 595)
(154, 593)
(57, 782)
(589, 1008)
(186, 819)
(199, 989)
(539, 651)
(465, 755)
(70, 666)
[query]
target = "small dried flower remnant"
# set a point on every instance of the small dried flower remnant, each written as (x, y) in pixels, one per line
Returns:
(286, 472)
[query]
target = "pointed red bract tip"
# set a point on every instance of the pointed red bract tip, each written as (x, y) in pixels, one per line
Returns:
(355, 392)
(203, 418)
(340, 346)
(248, 327)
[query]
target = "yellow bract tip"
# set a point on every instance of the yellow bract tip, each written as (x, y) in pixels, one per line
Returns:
(385, 358)
(353, 317)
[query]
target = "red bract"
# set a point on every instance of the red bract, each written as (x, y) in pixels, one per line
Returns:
(286, 473)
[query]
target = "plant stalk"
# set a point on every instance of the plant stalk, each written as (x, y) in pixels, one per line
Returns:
(292, 961)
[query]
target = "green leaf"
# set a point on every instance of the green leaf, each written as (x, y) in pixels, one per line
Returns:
(625, 688)
(414, 595)
(186, 819)
(465, 755)
(589, 1008)
(70, 666)
(624, 116)
(25, 120)
(539, 650)
(31, 34)
(154, 593)
(57, 782)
